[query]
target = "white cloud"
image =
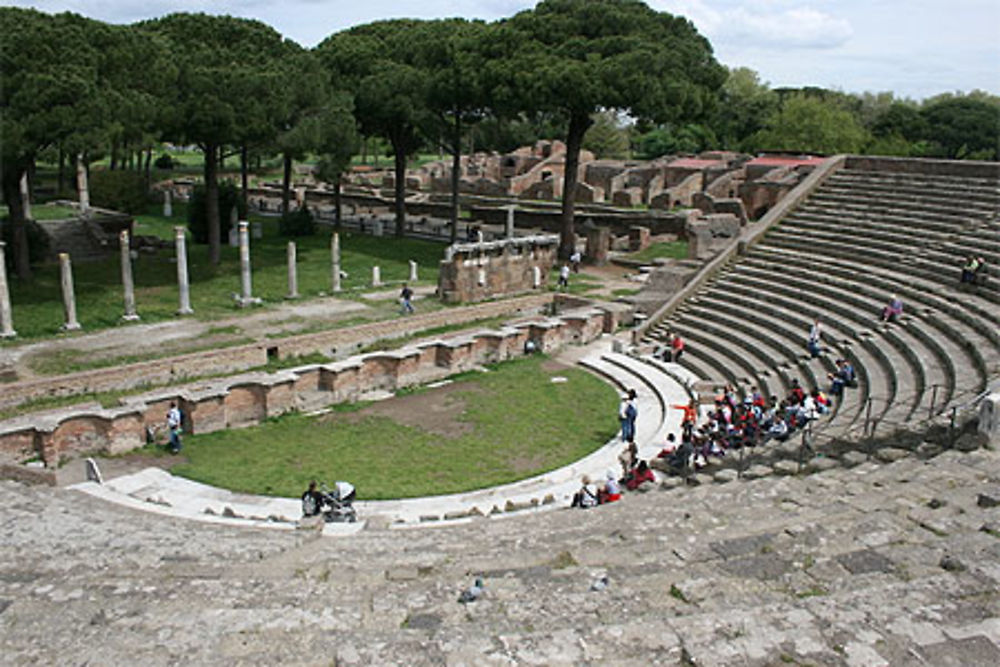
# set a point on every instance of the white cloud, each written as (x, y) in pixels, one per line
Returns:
(763, 23)
(795, 28)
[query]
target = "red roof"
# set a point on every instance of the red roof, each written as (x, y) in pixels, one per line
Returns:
(696, 163)
(785, 161)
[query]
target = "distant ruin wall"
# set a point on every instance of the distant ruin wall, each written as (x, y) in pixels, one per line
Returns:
(248, 400)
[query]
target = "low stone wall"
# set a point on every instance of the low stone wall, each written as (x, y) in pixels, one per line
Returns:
(249, 399)
(335, 343)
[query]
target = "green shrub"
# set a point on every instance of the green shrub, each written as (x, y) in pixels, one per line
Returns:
(229, 196)
(164, 161)
(123, 191)
(38, 242)
(297, 223)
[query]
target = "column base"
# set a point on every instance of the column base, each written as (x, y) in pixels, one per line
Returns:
(8, 334)
(185, 311)
(70, 326)
(130, 318)
(291, 296)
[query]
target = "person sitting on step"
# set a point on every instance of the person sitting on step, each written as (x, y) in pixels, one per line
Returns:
(586, 497)
(892, 310)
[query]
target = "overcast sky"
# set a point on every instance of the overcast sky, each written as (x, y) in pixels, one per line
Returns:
(915, 48)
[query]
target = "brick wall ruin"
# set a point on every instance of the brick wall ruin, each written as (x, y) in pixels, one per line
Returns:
(248, 399)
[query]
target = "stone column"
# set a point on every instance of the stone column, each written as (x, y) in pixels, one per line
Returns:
(6, 319)
(246, 288)
(413, 272)
(69, 299)
(126, 255)
(81, 184)
(376, 276)
(26, 196)
(335, 262)
(180, 243)
(168, 203)
(536, 277)
(479, 236)
(510, 222)
(293, 277)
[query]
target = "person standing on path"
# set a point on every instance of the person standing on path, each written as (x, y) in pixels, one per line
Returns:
(564, 277)
(575, 260)
(406, 300)
(174, 423)
(627, 413)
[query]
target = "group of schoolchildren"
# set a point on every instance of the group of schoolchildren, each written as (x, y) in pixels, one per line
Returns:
(729, 425)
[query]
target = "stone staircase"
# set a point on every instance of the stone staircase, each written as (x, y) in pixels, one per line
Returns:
(860, 237)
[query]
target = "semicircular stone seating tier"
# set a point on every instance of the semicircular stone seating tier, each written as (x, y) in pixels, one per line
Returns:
(861, 236)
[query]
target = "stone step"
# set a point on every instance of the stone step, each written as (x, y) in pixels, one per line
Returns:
(950, 335)
(925, 370)
(938, 280)
(852, 202)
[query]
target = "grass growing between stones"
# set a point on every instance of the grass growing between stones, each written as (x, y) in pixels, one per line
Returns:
(510, 423)
(37, 305)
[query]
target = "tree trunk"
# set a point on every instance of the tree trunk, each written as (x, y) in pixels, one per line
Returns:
(399, 153)
(61, 176)
(212, 204)
(31, 180)
(456, 167)
(286, 184)
(15, 215)
(244, 179)
(336, 201)
(114, 154)
(149, 163)
(364, 150)
(578, 126)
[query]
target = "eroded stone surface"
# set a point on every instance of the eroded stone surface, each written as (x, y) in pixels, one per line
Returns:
(829, 569)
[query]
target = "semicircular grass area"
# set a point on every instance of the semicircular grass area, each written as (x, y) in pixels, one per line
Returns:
(520, 419)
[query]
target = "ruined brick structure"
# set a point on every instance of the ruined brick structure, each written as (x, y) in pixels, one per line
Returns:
(479, 271)
(248, 399)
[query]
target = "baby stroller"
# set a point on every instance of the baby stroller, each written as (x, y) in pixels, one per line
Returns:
(338, 504)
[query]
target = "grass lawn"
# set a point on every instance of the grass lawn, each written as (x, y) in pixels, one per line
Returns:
(47, 212)
(37, 305)
(672, 250)
(516, 423)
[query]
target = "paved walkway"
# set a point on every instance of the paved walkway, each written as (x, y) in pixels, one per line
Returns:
(157, 491)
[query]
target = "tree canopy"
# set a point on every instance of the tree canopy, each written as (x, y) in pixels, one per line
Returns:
(574, 58)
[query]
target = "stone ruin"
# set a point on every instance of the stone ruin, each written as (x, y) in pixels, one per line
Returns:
(736, 183)
(473, 272)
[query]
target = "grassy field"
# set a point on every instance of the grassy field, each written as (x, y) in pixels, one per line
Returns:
(37, 305)
(671, 250)
(518, 423)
